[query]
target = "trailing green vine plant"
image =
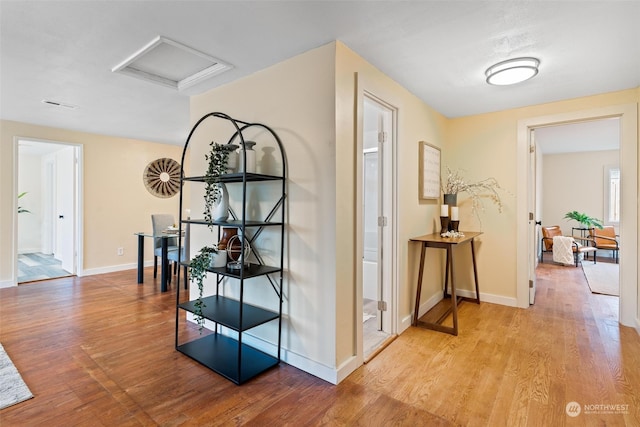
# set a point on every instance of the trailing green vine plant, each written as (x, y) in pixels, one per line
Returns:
(198, 269)
(217, 157)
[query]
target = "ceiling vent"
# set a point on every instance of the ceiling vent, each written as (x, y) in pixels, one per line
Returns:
(59, 104)
(169, 63)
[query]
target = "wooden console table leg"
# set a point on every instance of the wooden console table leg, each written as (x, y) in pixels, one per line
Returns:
(454, 299)
(419, 286)
(475, 271)
(446, 273)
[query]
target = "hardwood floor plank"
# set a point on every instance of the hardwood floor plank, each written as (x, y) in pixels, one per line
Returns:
(99, 350)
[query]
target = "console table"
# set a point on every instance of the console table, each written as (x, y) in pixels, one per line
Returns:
(440, 311)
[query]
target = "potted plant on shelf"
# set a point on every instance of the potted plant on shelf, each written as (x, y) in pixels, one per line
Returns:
(585, 220)
(216, 198)
(198, 269)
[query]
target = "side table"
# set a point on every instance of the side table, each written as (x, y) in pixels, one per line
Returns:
(439, 312)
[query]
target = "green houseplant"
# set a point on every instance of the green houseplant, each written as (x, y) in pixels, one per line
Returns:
(585, 220)
(198, 269)
(217, 158)
(20, 208)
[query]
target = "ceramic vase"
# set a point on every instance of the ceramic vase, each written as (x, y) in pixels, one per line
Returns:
(451, 199)
(250, 156)
(227, 234)
(218, 259)
(220, 211)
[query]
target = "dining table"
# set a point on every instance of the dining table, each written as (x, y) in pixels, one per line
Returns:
(165, 269)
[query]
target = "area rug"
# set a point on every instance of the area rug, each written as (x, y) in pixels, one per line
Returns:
(603, 277)
(12, 387)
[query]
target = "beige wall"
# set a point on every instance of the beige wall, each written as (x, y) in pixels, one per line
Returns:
(116, 203)
(574, 182)
(296, 99)
(415, 122)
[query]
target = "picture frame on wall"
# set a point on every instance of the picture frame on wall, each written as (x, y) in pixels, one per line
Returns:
(429, 167)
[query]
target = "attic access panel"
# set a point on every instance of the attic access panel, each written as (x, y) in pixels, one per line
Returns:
(169, 63)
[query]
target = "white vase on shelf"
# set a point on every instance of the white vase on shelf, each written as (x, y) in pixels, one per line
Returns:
(220, 211)
(250, 155)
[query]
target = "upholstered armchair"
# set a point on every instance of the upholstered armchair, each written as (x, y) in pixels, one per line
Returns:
(585, 247)
(606, 239)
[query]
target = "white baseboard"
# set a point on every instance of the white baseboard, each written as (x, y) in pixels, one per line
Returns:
(7, 283)
(112, 268)
(484, 297)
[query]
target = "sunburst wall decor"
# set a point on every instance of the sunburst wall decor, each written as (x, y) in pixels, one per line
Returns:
(162, 177)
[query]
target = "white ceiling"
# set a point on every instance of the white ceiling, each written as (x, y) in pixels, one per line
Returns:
(64, 51)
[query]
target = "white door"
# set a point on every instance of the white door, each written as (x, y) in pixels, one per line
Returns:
(377, 208)
(65, 208)
(532, 228)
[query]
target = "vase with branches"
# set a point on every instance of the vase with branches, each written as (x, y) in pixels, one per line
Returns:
(455, 183)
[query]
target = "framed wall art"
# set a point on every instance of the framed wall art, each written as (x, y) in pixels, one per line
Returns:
(429, 167)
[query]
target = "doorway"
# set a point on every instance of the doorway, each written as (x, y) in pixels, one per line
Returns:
(377, 236)
(588, 147)
(628, 213)
(47, 179)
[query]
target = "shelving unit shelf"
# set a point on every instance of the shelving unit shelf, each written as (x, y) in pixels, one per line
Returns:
(224, 349)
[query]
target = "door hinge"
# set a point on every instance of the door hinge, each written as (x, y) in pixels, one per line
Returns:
(382, 305)
(531, 284)
(382, 221)
(382, 137)
(532, 148)
(530, 216)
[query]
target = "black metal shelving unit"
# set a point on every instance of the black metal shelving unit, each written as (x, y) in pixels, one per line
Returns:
(221, 351)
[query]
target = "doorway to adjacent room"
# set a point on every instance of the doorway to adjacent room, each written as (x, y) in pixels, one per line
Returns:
(47, 181)
(377, 201)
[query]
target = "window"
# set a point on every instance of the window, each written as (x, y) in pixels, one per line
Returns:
(612, 194)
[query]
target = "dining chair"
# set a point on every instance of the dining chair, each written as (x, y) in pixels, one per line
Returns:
(183, 254)
(160, 223)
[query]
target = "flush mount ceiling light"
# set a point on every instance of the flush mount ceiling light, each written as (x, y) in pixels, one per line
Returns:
(169, 63)
(512, 71)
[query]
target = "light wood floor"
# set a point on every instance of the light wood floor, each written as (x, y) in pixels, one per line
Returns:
(98, 351)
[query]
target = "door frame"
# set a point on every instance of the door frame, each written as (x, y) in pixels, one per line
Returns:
(367, 90)
(385, 193)
(629, 257)
(78, 204)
